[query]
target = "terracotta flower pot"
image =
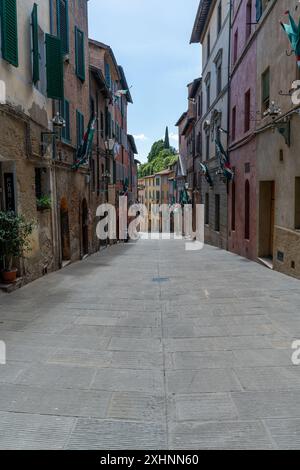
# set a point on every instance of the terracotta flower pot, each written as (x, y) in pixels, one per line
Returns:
(9, 277)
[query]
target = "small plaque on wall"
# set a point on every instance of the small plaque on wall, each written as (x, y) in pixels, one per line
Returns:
(9, 190)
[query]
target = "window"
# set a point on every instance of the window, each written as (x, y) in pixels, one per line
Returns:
(258, 9)
(247, 210)
(206, 219)
(217, 212)
(200, 101)
(102, 124)
(93, 168)
(157, 182)
(219, 77)
(35, 45)
(233, 124)
(207, 82)
(219, 17)
(63, 24)
(261, 5)
(79, 127)
(9, 31)
(79, 54)
(107, 75)
(233, 206)
(248, 19)
(38, 183)
(65, 113)
(265, 89)
(235, 46)
(55, 72)
(297, 203)
(199, 144)
(208, 45)
(247, 111)
(207, 145)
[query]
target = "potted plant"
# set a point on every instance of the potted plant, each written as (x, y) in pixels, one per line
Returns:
(14, 242)
(44, 203)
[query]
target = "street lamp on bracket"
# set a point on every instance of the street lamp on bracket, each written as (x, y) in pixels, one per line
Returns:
(58, 123)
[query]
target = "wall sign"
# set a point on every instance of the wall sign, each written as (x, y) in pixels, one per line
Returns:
(9, 191)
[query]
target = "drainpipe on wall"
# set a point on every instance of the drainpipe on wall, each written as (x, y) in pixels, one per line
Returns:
(57, 255)
(228, 111)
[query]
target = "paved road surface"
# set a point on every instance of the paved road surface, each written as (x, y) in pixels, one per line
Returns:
(149, 346)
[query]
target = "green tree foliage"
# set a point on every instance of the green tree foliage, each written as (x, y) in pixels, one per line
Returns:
(15, 231)
(155, 149)
(159, 159)
(167, 140)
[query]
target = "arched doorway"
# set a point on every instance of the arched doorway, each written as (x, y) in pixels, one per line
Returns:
(65, 231)
(85, 228)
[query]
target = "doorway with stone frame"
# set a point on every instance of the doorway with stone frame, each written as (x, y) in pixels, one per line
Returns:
(266, 222)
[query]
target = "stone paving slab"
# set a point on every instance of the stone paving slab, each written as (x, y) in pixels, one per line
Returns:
(57, 376)
(95, 434)
(137, 407)
(269, 378)
(202, 407)
(31, 431)
(49, 401)
(204, 380)
(267, 404)
(129, 380)
(285, 433)
(220, 435)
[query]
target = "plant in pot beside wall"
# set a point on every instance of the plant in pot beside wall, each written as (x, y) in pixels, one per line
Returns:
(44, 203)
(14, 242)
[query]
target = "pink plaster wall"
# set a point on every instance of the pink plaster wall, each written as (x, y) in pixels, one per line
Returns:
(243, 79)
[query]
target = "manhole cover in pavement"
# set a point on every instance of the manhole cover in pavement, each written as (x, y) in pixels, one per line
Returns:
(160, 279)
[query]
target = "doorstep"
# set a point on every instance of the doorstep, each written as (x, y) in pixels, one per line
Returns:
(8, 288)
(268, 262)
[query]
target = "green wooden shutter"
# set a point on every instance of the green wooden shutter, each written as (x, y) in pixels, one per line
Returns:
(55, 71)
(35, 45)
(62, 9)
(80, 56)
(9, 31)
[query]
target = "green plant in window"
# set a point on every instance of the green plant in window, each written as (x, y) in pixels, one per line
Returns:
(44, 202)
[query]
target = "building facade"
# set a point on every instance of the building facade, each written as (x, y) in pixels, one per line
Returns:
(211, 29)
(242, 214)
(278, 142)
(51, 97)
(26, 113)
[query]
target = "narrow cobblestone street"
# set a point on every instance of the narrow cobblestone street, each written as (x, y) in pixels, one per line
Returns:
(149, 346)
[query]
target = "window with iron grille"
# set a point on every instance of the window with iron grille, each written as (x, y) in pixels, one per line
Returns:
(265, 85)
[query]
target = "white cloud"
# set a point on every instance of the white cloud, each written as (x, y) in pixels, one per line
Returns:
(174, 136)
(140, 137)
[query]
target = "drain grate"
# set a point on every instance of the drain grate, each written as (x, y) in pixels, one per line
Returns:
(160, 279)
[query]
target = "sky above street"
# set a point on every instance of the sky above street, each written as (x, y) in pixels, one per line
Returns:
(150, 39)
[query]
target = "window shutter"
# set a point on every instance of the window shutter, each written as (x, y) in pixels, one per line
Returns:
(80, 57)
(259, 9)
(63, 24)
(35, 45)
(55, 71)
(107, 75)
(9, 31)
(266, 85)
